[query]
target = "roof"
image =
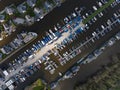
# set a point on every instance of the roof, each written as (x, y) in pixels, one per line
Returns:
(8, 83)
(9, 11)
(31, 2)
(2, 18)
(22, 8)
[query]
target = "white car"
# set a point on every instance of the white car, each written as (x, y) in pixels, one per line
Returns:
(83, 17)
(102, 27)
(101, 13)
(87, 14)
(100, 4)
(95, 18)
(95, 8)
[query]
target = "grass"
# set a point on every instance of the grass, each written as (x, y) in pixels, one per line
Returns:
(98, 11)
(38, 88)
(1, 27)
(37, 85)
(39, 3)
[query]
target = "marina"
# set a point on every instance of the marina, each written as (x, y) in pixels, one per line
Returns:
(60, 44)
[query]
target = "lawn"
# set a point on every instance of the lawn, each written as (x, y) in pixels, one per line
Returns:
(38, 85)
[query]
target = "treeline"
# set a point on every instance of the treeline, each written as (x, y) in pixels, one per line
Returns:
(107, 78)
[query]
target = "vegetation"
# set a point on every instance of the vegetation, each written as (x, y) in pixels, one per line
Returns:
(37, 85)
(106, 79)
(98, 11)
(39, 3)
(30, 11)
(1, 27)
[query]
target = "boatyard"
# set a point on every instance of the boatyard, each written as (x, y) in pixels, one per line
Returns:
(60, 48)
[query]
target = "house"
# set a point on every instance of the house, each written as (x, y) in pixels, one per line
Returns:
(29, 19)
(11, 87)
(58, 2)
(47, 5)
(2, 18)
(38, 12)
(6, 27)
(9, 84)
(31, 3)
(19, 21)
(5, 72)
(9, 11)
(22, 8)
(6, 49)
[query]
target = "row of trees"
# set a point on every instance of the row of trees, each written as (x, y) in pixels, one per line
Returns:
(105, 79)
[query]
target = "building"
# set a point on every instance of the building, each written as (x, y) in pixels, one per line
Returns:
(2, 18)
(9, 11)
(22, 8)
(31, 3)
(47, 5)
(6, 27)
(5, 73)
(36, 10)
(9, 84)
